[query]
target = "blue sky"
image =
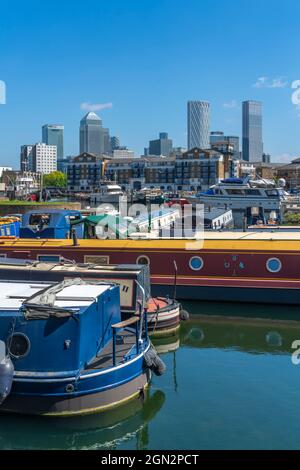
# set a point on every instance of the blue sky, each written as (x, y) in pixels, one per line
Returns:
(145, 59)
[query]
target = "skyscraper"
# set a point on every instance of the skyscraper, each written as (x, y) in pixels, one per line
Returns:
(217, 137)
(93, 137)
(161, 146)
(198, 124)
(114, 142)
(252, 131)
(53, 134)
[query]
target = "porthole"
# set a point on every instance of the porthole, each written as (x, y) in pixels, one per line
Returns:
(273, 265)
(18, 345)
(196, 263)
(143, 260)
(70, 388)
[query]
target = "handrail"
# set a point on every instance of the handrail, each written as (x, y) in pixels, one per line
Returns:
(129, 321)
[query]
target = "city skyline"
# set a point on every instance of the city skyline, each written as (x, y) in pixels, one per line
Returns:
(135, 105)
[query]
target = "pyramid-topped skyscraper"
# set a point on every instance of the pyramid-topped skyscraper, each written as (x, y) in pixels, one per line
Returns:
(93, 137)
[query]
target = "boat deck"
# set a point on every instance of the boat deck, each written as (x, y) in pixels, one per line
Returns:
(125, 342)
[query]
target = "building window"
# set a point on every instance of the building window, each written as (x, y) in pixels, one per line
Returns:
(273, 265)
(196, 263)
(143, 260)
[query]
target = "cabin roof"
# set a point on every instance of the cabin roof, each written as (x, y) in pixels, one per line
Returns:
(247, 241)
(13, 294)
(53, 211)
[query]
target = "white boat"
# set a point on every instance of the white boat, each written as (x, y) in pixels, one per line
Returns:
(107, 194)
(250, 200)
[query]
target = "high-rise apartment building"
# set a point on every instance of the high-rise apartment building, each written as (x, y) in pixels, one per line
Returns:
(198, 122)
(94, 138)
(252, 131)
(44, 158)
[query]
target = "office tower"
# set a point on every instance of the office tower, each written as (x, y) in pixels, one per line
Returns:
(53, 134)
(26, 157)
(198, 124)
(93, 137)
(114, 143)
(252, 131)
(216, 137)
(44, 158)
(161, 146)
(123, 153)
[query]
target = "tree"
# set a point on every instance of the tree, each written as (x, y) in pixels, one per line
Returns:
(56, 179)
(292, 219)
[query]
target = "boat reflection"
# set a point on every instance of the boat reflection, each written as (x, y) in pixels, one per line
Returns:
(167, 344)
(100, 431)
(252, 336)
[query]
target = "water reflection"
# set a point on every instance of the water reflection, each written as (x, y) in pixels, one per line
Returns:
(258, 336)
(103, 430)
(221, 373)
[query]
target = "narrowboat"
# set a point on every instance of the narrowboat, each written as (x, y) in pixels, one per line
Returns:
(54, 223)
(260, 267)
(9, 226)
(65, 351)
(163, 313)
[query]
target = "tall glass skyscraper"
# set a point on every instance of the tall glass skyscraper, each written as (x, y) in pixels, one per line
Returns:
(53, 134)
(252, 131)
(198, 122)
(93, 137)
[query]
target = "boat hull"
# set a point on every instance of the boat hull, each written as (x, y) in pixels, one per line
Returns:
(96, 402)
(234, 267)
(282, 296)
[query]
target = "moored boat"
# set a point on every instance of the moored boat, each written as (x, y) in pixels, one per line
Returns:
(224, 266)
(64, 350)
(163, 313)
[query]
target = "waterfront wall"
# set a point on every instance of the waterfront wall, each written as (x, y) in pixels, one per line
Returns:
(6, 209)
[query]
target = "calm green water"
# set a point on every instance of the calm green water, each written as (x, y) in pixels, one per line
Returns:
(230, 384)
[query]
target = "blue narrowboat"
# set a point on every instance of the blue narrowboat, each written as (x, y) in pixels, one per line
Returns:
(9, 226)
(65, 351)
(53, 223)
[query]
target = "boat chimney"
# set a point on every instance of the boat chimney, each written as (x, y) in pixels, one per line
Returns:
(74, 237)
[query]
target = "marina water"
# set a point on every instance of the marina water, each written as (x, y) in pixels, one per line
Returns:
(230, 384)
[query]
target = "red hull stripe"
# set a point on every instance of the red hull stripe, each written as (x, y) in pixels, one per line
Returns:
(226, 282)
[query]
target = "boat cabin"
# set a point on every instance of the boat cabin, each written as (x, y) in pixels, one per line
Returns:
(51, 224)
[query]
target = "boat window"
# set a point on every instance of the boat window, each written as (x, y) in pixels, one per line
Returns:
(236, 192)
(273, 265)
(143, 260)
(96, 259)
(40, 221)
(272, 192)
(253, 192)
(18, 345)
(49, 258)
(196, 263)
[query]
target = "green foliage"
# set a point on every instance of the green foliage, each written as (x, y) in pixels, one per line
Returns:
(56, 179)
(292, 219)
